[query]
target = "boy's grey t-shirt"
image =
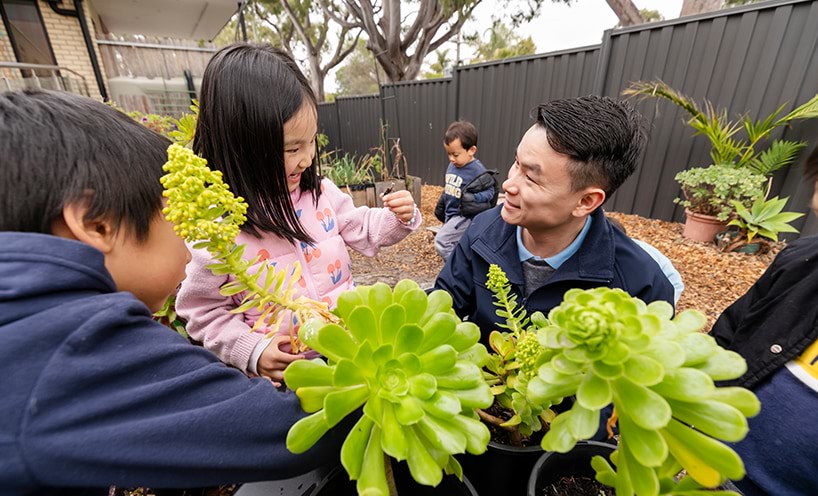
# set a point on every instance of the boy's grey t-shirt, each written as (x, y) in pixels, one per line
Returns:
(458, 178)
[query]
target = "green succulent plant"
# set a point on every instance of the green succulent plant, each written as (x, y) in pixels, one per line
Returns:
(606, 347)
(765, 219)
(412, 365)
(513, 363)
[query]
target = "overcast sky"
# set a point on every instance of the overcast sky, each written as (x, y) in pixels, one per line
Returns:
(559, 26)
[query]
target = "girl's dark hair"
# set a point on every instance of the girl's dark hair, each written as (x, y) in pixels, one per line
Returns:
(604, 138)
(58, 148)
(248, 92)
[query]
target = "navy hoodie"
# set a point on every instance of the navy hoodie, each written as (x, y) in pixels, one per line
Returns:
(95, 393)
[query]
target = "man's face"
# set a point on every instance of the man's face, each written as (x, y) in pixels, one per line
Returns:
(539, 195)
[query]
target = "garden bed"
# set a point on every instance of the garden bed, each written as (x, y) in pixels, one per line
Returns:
(713, 280)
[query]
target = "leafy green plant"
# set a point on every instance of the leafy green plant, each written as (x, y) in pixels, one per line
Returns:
(167, 317)
(513, 363)
(726, 145)
(186, 126)
(606, 347)
(349, 170)
(764, 219)
(713, 190)
(413, 366)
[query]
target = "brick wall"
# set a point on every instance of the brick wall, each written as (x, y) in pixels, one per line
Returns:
(68, 44)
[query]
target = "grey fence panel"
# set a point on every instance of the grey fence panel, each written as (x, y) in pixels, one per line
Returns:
(358, 123)
(499, 97)
(748, 60)
(328, 124)
(418, 113)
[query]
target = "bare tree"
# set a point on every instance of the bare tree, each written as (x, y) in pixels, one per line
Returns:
(400, 40)
(690, 7)
(288, 17)
(626, 11)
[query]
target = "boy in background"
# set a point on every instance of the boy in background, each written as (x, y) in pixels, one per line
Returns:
(95, 393)
(469, 190)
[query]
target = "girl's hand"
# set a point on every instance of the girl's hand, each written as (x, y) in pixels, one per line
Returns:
(273, 360)
(401, 204)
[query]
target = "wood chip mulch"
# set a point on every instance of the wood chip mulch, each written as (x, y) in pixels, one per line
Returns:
(713, 280)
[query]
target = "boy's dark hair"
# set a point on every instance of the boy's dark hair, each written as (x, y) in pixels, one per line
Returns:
(811, 167)
(57, 148)
(248, 92)
(603, 137)
(464, 131)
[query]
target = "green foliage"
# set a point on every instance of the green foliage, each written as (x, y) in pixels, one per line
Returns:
(347, 170)
(186, 126)
(713, 190)
(514, 362)
(726, 146)
(359, 74)
(204, 211)
(606, 347)
(413, 366)
(161, 124)
(764, 219)
(500, 42)
(167, 317)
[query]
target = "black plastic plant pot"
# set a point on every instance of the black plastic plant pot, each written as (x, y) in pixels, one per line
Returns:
(502, 469)
(551, 467)
(337, 483)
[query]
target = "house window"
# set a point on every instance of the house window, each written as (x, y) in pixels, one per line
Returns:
(26, 31)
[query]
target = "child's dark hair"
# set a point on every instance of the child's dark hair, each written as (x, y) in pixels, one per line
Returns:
(603, 137)
(464, 131)
(58, 148)
(248, 92)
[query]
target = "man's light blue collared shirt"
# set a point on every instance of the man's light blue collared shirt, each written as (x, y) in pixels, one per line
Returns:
(560, 257)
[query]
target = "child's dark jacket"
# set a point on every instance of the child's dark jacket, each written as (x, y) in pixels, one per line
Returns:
(478, 195)
(94, 393)
(606, 258)
(775, 328)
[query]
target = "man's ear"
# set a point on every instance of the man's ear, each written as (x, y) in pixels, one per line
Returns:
(591, 199)
(73, 224)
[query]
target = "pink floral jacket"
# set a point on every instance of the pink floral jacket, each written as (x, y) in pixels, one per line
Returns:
(325, 267)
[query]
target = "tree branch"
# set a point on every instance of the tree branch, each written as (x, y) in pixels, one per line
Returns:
(298, 27)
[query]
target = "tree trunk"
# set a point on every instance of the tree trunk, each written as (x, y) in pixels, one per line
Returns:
(626, 11)
(690, 7)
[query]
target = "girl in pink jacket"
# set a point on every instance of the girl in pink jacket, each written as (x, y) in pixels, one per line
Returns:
(257, 125)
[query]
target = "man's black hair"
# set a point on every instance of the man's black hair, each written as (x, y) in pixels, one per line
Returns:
(58, 148)
(464, 131)
(603, 137)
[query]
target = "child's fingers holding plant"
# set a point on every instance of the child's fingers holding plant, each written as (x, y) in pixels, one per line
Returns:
(274, 360)
(401, 204)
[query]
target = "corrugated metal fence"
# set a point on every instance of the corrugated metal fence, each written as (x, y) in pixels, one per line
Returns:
(748, 59)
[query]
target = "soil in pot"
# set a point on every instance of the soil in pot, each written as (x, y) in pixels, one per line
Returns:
(559, 473)
(337, 483)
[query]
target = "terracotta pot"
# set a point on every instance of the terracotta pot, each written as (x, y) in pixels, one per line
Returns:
(702, 228)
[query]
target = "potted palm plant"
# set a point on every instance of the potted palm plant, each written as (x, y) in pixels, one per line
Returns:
(735, 144)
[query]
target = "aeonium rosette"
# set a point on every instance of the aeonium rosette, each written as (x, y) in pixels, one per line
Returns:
(414, 367)
(607, 347)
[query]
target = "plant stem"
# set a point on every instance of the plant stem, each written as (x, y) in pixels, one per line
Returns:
(390, 476)
(515, 437)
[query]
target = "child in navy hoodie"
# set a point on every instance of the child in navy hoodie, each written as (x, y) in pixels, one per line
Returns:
(95, 393)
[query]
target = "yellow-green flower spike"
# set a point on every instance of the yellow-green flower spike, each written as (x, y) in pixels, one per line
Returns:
(204, 211)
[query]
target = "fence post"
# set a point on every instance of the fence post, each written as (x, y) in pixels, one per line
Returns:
(603, 63)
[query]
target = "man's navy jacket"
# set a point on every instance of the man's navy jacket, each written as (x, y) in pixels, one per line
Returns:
(607, 258)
